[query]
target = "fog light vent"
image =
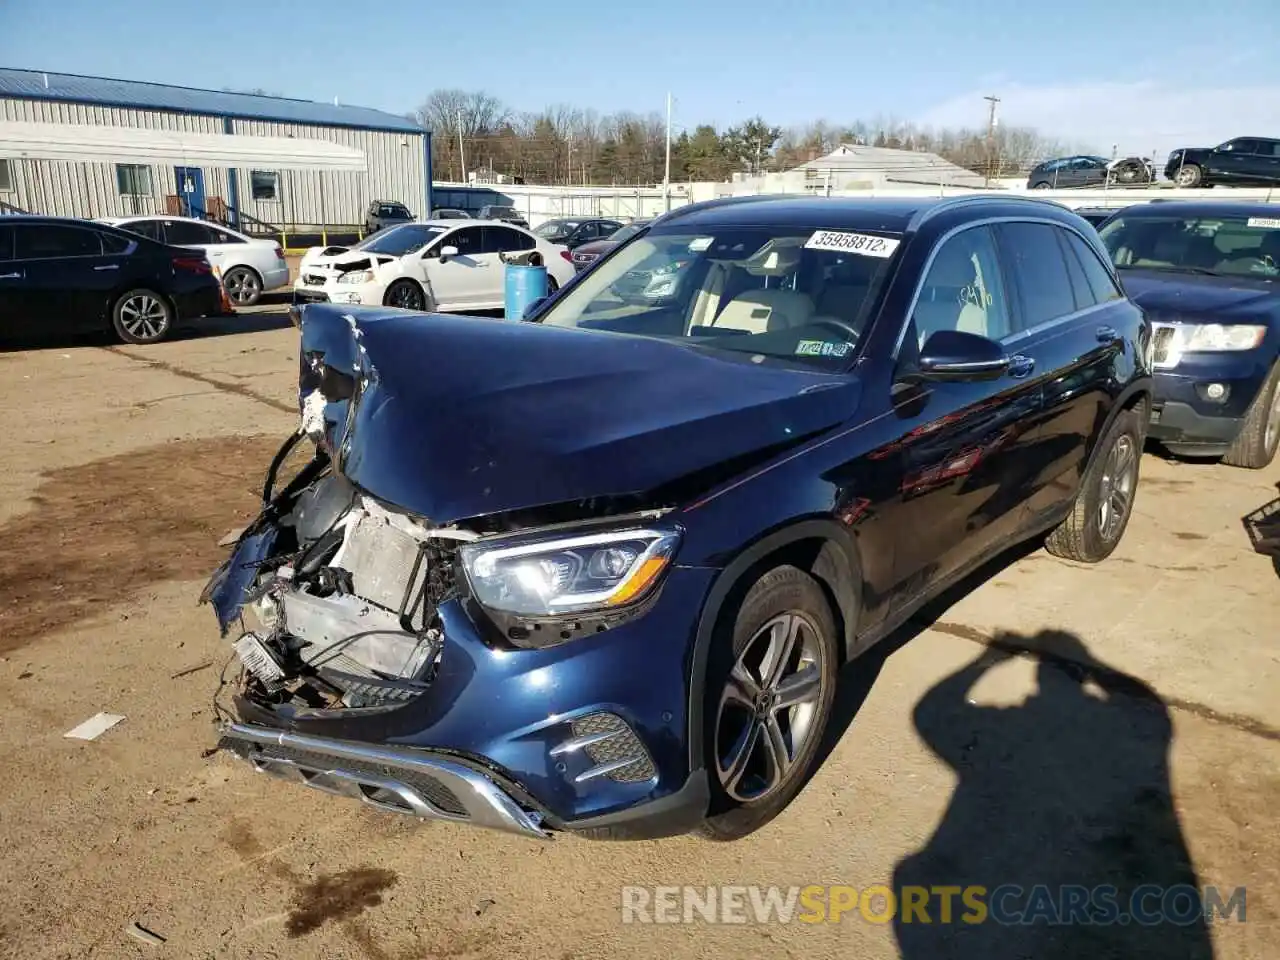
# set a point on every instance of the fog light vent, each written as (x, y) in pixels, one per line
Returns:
(613, 748)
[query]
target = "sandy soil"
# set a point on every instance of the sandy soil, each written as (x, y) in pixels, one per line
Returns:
(1158, 760)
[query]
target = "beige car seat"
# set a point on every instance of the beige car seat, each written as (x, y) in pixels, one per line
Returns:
(764, 311)
(954, 296)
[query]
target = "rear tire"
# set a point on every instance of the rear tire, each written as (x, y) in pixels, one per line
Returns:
(780, 648)
(1104, 501)
(1042, 185)
(1255, 446)
(243, 286)
(142, 316)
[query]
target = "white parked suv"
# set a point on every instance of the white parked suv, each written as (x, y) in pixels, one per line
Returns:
(249, 265)
(438, 265)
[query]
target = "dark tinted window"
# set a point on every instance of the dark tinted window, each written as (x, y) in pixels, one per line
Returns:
(183, 231)
(49, 240)
(468, 240)
(113, 244)
(1098, 276)
(1037, 265)
(148, 228)
(1241, 146)
(6, 243)
(964, 289)
(503, 240)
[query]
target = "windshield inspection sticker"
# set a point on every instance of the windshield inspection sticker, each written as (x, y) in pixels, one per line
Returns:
(823, 348)
(860, 243)
(1271, 223)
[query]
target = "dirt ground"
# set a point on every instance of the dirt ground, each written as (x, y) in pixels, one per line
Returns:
(1123, 722)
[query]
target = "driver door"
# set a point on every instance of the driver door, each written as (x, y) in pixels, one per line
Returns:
(462, 281)
(962, 490)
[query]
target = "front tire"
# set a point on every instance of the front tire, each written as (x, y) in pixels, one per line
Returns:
(1104, 501)
(406, 295)
(1189, 175)
(770, 686)
(243, 286)
(1042, 185)
(1255, 446)
(142, 316)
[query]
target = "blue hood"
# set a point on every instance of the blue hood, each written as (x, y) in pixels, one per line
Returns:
(1169, 296)
(454, 417)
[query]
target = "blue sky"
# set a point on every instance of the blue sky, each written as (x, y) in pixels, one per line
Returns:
(1143, 76)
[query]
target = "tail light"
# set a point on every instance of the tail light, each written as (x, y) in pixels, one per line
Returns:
(279, 252)
(567, 255)
(192, 264)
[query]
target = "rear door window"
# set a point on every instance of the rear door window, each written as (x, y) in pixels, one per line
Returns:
(184, 232)
(505, 240)
(147, 228)
(55, 240)
(1038, 268)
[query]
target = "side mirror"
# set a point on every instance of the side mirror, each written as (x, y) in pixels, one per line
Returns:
(956, 355)
(447, 252)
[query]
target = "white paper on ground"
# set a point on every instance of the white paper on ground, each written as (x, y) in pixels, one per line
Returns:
(94, 727)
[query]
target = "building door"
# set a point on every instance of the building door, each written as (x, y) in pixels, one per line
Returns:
(191, 190)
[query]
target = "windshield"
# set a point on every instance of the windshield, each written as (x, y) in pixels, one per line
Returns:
(797, 294)
(393, 211)
(502, 211)
(1238, 246)
(557, 228)
(627, 232)
(397, 241)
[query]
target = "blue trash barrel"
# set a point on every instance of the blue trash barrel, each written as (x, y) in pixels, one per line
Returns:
(522, 286)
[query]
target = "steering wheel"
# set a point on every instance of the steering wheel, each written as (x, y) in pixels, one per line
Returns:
(847, 330)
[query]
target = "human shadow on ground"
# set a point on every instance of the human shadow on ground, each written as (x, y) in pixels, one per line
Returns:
(1062, 815)
(1263, 527)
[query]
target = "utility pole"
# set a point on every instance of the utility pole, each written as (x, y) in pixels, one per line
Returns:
(666, 176)
(569, 141)
(462, 155)
(991, 136)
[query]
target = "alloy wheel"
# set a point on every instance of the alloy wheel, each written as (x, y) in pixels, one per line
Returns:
(144, 317)
(406, 296)
(242, 287)
(1119, 475)
(768, 707)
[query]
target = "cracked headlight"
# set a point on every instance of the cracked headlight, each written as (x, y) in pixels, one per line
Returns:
(593, 572)
(356, 276)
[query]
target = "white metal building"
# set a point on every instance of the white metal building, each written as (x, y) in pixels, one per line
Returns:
(266, 159)
(852, 166)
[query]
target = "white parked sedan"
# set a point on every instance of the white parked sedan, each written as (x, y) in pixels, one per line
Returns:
(438, 265)
(249, 265)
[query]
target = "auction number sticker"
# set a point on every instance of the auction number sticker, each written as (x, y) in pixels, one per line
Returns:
(859, 243)
(1271, 223)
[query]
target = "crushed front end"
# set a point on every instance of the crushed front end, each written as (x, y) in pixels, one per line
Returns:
(415, 666)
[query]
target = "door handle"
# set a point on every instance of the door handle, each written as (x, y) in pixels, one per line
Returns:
(1020, 366)
(109, 266)
(12, 276)
(1107, 334)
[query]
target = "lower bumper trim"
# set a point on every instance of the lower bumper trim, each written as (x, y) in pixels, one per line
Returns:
(395, 779)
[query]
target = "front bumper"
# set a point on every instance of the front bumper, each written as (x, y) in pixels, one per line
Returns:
(591, 733)
(1184, 415)
(368, 294)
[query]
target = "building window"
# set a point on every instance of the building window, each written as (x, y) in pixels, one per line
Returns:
(6, 176)
(264, 184)
(133, 180)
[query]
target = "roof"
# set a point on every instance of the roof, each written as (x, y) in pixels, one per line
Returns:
(72, 88)
(1206, 208)
(902, 166)
(80, 141)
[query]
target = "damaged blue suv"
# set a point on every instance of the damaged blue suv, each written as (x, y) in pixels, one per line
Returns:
(597, 571)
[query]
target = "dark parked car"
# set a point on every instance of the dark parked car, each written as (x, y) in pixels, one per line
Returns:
(1242, 162)
(1208, 276)
(385, 213)
(598, 572)
(449, 213)
(588, 253)
(573, 232)
(504, 213)
(61, 276)
(1088, 171)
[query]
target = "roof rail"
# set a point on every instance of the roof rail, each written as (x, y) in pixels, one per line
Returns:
(950, 203)
(717, 202)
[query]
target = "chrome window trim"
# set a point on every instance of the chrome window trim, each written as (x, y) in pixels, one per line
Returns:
(133, 245)
(987, 222)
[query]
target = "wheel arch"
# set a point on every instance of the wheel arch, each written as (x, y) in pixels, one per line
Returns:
(109, 308)
(819, 546)
(427, 302)
(1134, 396)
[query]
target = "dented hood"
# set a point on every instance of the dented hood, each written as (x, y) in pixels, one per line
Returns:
(454, 417)
(341, 259)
